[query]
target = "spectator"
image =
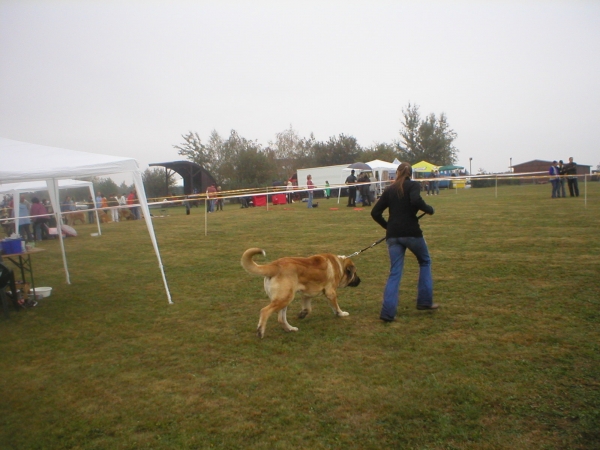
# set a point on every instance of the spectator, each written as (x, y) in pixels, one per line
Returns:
(310, 186)
(219, 199)
(554, 179)
(90, 205)
(364, 189)
(104, 203)
(561, 179)
(133, 200)
(113, 204)
(327, 190)
(351, 180)
(24, 220)
(40, 220)
(570, 170)
(67, 205)
(211, 193)
(434, 184)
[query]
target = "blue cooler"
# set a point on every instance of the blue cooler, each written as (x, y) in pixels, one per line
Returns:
(11, 246)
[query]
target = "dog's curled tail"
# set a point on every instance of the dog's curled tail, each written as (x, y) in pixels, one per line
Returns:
(250, 266)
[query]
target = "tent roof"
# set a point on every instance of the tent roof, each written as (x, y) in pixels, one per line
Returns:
(423, 166)
(22, 161)
(443, 168)
(378, 164)
(33, 186)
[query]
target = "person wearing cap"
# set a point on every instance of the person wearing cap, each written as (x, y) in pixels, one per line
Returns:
(554, 179)
(561, 179)
(351, 180)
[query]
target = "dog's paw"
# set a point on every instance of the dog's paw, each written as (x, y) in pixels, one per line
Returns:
(291, 329)
(260, 333)
(303, 314)
(343, 314)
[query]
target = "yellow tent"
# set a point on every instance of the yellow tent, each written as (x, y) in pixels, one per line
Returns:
(423, 166)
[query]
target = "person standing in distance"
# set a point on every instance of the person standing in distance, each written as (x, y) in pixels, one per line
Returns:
(561, 179)
(570, 170)
(554, 179)
(351, 180)
(403, 199)
(310, 186)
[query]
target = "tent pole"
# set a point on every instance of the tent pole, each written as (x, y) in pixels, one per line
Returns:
(95, 210)
(585, 191)
(139, 187)
(496, 178)
(52, 184)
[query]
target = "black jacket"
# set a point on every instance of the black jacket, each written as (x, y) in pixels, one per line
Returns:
(402, 220)
(570, 169)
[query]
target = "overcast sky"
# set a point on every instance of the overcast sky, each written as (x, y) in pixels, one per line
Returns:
(516, 80)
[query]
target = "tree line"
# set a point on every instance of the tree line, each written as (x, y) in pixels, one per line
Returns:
(237, 162)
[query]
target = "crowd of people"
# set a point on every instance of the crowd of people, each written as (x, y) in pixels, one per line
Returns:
(36, 216)
(559, 172)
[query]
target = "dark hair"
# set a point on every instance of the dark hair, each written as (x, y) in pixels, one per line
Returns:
(35, 200)
(403, 172)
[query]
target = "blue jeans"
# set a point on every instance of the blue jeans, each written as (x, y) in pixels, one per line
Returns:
(397, 249)
(310, 198)
(561, 182)
(555, 188)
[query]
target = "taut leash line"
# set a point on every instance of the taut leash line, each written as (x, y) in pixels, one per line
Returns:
(374, 243)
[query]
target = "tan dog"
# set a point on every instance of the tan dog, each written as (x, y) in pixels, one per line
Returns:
(125, 214)
(104, 218)
(323, 273)
(76, 216)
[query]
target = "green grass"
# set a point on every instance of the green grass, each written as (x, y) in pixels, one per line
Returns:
(510, 361)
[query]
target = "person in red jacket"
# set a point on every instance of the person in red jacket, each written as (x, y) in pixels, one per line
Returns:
(41, 219)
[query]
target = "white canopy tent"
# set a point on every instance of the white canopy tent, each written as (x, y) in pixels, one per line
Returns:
(382, 171)
(380, 166)
(15, 189)
(22, 161)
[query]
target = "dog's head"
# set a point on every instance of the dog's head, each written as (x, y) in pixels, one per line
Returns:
(350, 277)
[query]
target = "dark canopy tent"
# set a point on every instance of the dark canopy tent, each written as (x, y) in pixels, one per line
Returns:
(450, 168)
(196, 179)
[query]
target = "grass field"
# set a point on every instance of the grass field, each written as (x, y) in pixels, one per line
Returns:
(510, 361)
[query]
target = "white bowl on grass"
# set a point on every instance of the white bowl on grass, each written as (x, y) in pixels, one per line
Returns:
(43, 291)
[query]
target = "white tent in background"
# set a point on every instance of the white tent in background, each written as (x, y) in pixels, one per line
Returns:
(380, 168)
(33, 186)
(22, 162)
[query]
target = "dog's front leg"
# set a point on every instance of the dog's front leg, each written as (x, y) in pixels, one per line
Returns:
(282, 318)
(332, 297)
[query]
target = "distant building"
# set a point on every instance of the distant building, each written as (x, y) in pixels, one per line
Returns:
(538, 165)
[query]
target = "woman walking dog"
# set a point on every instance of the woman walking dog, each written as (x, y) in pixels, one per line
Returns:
(403, 198)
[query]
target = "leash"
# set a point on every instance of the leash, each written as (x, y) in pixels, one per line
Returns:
(374, 243)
